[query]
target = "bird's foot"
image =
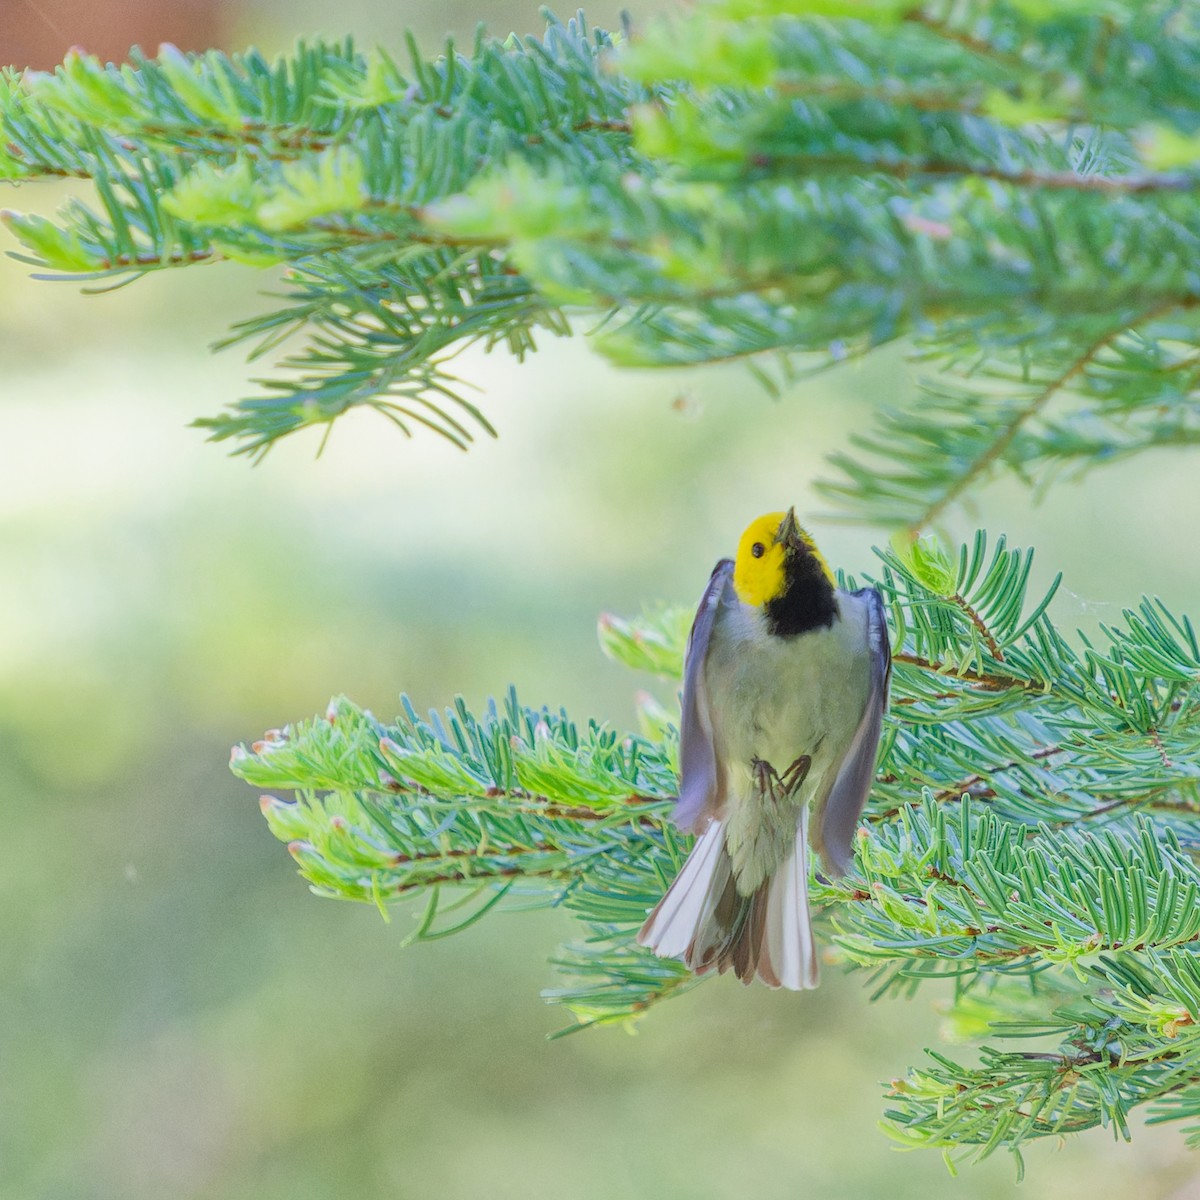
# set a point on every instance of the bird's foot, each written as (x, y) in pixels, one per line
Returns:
(766, 779)
(779, 788)
(793, 778)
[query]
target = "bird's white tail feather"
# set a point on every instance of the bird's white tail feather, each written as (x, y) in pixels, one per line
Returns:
(680, 917)
(789, 951)
(768, 934)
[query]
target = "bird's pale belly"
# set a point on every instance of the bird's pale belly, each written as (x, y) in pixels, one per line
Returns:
(775, 700)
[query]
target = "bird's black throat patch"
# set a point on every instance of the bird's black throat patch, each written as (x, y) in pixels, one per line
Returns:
(807, 601)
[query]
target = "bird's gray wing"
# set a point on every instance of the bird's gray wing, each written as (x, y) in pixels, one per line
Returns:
(699, 782)
(853, 784)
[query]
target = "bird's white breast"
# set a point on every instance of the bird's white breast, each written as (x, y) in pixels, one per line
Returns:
(778, 698)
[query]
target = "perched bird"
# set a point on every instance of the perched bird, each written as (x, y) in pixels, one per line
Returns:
(784, 688)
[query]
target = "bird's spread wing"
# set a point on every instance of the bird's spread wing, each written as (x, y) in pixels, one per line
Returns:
(699, 777)
(853, 784)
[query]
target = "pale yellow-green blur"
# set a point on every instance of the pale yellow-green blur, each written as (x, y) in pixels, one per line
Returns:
(179, 1017)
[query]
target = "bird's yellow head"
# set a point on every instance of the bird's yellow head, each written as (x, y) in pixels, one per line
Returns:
(760, 569)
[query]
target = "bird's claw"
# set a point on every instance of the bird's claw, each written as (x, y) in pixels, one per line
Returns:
(779, 788)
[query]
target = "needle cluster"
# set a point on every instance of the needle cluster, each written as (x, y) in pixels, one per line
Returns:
(1008, 185)
(1008, 188)
(1031, 836)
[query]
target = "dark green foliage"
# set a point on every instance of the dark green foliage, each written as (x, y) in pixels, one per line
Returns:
(325, 161)
(1010, 187)
(1031, 836)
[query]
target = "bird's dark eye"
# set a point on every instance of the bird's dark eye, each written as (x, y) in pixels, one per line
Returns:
(758, 549)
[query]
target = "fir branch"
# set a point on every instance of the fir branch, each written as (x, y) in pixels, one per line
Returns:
(1081, 396)
(1029, 178)
(980, 46)
(1012, 426)
(1129, 1045)
(743, 184)
(990, 681)
(1002, 842)
(747, 182)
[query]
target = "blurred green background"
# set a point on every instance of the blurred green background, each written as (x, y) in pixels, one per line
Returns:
(179, 1017)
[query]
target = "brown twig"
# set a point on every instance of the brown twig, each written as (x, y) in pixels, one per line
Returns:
(988, 681)
(450, 877)
(122, 261)
(1156, 738)
(975, 45)
(1029, 410)
(1148, 799)
(837, 90)
(976, 620)
(955, 791)
(532, 805)
(437, 856)
(1029, 177)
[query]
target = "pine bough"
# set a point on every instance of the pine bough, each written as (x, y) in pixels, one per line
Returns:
(1010, 186)
(1032, 836)
(1007, 185)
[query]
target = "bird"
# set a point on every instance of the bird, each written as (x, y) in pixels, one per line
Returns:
(785, 685)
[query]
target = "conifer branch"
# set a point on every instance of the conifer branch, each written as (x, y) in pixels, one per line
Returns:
(1006, 841)
(1009, 429)
(748, 183)
(976, 45)
(1012, 195)
(1031, 179)
(990, 681)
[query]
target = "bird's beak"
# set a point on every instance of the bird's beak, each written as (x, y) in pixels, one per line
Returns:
(789, 532)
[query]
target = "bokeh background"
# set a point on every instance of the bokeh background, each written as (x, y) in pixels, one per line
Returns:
(179, 1017)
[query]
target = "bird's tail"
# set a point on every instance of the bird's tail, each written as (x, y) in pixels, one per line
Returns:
(704, 920)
